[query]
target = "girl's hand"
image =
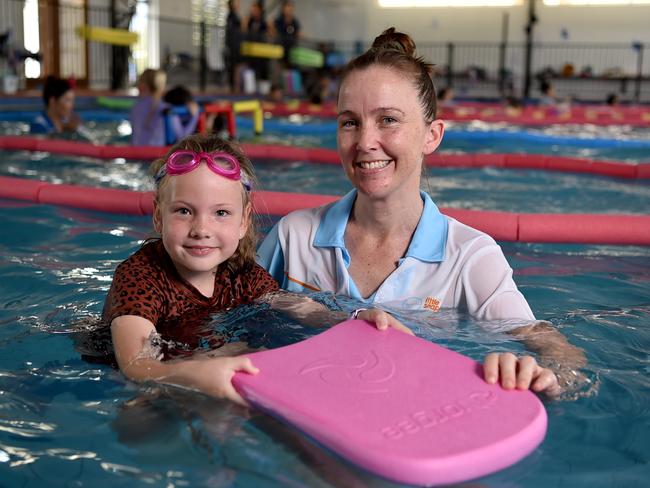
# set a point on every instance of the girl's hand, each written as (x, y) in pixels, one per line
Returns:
(214, 376)
(522, 373)
(382, 320)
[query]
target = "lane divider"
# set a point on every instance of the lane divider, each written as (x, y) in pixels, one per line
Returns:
(618, 229)
(330, 156)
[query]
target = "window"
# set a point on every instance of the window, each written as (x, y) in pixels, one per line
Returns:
(32, 38)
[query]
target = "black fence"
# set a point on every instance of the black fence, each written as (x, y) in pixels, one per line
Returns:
(193, 54)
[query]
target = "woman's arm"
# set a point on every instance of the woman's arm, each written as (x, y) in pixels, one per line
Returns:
(212, 376)
(312, 313)
(557, 370)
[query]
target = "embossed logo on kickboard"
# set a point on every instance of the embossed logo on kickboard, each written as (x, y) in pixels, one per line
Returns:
(432, 417)
(363, 373)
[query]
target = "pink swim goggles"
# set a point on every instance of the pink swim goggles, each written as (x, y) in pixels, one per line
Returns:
(223, 164)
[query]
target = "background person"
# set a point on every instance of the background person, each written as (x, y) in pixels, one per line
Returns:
(287, 28)
(148, 115)
(58, 116)
(182, 125)
(233, 56)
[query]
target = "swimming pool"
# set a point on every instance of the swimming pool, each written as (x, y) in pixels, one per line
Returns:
(80, 423)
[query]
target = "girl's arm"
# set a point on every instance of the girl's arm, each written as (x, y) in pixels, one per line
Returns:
(212, 376)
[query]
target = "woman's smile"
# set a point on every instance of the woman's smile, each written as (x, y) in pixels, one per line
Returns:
(374, 165)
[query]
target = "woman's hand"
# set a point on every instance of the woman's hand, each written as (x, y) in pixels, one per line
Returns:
(383, 320)
(522, 373)
(72, 123)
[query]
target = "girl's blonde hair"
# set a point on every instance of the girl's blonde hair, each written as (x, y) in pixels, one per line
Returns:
(244, 257)
(155, 80)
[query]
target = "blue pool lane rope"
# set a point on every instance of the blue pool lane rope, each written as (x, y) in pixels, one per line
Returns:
(326, 127)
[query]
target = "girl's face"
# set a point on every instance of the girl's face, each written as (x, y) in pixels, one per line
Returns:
(382, 135)
(201, 218)
(64, 105)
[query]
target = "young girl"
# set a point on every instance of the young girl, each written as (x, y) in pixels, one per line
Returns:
(148, 114)
(203, 263)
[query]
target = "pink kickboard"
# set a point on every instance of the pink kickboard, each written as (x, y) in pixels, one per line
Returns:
(396, 405)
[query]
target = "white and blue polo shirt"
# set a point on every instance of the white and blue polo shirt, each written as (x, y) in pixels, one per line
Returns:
(447, 265)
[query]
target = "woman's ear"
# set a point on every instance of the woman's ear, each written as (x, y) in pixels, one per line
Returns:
(435, 131)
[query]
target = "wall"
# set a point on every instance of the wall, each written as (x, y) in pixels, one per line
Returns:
(363, 19)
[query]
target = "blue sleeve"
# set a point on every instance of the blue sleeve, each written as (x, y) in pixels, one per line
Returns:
(271, 256)
(39, 126)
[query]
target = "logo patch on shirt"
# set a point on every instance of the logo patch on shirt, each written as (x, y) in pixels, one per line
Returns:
(432, 304)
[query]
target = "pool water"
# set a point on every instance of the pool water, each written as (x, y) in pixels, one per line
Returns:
(68, 422)
(65, 420)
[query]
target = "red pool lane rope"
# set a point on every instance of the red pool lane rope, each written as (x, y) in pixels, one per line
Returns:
(330, 156)
(638, 116)
(503, 226)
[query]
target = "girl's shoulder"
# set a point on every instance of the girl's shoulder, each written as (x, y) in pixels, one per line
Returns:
(150, 256)
(251, 281)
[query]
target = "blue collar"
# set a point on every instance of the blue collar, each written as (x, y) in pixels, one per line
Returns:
(429, 239)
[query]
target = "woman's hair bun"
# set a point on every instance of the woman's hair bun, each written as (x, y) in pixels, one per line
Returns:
(396, 41)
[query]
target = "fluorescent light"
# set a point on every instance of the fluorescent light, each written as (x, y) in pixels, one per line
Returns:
(448, 3)
(593, 3)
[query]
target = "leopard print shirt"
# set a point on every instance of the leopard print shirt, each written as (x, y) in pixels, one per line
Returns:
(148, 285)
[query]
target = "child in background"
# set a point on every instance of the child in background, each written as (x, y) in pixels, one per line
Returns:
(203, 263)
(179, 96)
(58, 116)
(550, 99)
(148, 114)
(446, 97)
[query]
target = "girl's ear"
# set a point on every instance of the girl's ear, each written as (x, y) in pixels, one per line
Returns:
(246, 220)
(157, 217)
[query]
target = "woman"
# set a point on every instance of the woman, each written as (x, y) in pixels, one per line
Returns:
(385, 242)
(58, 116)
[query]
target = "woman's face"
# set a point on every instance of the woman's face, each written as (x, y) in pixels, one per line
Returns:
(64, 105)
(382, 135)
